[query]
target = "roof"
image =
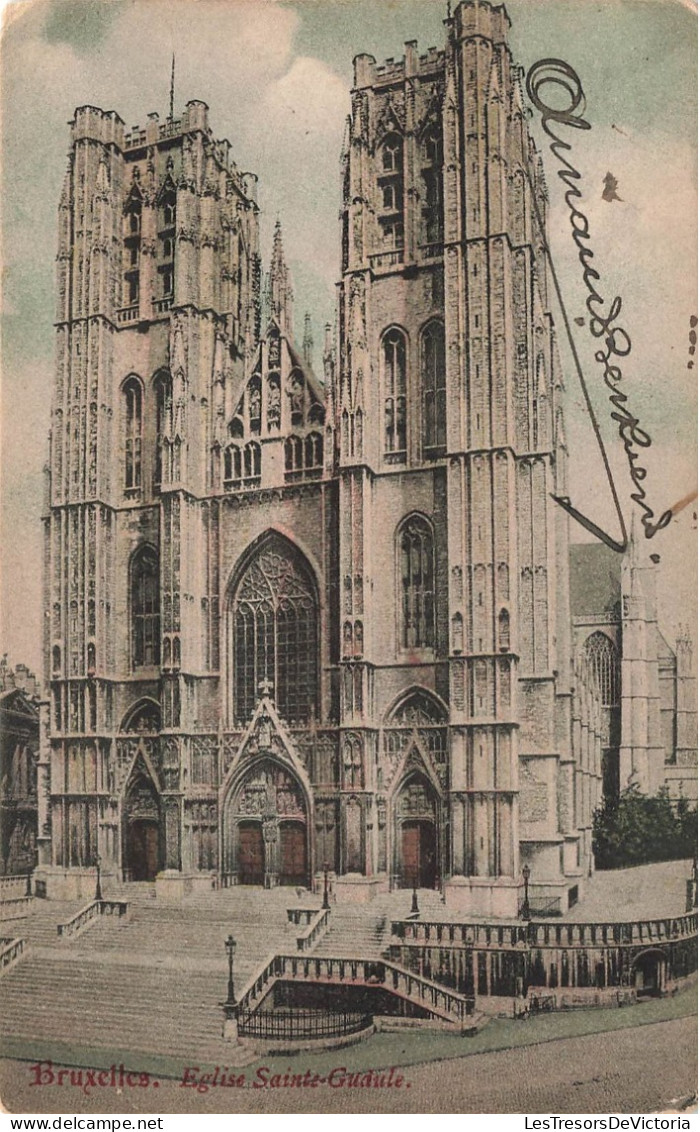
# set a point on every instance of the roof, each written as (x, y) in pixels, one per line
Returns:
(595, 580)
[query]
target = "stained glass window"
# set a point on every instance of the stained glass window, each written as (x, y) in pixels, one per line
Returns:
(394, 365)
(164, 420)
(604, 667)
(145, 608)
(276, 633)
(432, 364)
(417, 582)
(132, 423)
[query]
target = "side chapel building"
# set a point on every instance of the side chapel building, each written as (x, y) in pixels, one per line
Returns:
(297, 620)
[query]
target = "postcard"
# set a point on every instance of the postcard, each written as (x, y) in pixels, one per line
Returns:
(348, 690)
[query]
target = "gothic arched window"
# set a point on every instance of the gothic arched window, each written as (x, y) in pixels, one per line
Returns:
(275, 614)
(145, 608)
(417, 583)
(392, 154)
(603, 665)
(251, 461)
(166, 240)
(163, 387)
(432, 370)
(232, 464)
(432, 179)
(394, 377)
(133, 421)
(132, 246)
(390, 187)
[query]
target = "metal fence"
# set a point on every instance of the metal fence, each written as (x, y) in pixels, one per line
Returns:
(300, 1024)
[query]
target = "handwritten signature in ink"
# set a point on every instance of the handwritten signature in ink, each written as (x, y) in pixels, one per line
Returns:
(604, 322)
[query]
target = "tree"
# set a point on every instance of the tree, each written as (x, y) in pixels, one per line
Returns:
(636, 829)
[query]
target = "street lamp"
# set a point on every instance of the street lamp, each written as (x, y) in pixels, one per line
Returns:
(525, 910)
(230, 946)
(326, 902)
(415, 911)
(98, 880)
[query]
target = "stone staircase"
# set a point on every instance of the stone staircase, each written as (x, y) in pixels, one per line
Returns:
(39, 926)
(191, 935)
(365, 929)
(153, 983)
(96, 1005)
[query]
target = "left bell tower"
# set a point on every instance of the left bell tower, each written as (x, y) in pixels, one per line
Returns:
(158, 314)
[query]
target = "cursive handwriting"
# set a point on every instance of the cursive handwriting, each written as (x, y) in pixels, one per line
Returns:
(603, 322)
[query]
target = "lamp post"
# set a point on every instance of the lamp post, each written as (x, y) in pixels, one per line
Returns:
(525, 909)
(98, 879)
(230, 946)
(326, 902)
(415, 910)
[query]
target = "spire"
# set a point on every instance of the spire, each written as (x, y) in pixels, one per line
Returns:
(172, 88)
(279, 285)
(308, 343)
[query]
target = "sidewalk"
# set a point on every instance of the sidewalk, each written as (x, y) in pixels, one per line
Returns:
(642, 893)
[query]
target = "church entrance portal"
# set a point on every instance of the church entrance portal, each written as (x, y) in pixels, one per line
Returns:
(251, 853)
(417, 854)
(142, 829)
(293, 868)
(266, 829)
(142, 850)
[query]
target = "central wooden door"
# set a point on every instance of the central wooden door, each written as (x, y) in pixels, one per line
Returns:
(251, 853)
(143, 850)
(418, 854)
(293, 868)
(410, 854)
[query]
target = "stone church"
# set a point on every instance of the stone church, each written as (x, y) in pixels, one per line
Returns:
(300, 621)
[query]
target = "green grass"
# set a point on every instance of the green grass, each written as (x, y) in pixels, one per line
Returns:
(383, 1050)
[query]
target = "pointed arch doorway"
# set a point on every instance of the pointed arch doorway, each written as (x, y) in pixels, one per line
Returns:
(142, 827)
(266, 828)
(417, 849)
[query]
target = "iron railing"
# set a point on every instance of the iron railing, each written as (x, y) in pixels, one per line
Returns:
(309, 1024)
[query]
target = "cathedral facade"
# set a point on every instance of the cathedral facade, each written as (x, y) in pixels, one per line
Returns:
(299, 622)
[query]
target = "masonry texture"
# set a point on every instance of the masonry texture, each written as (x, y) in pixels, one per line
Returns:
(301, 621)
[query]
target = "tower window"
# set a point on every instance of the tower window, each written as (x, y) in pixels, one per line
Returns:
(232, 464)
(145, 608)
(390, 188)
(164, 421)
(417, 583)
(132, 245)
(133, 412)
(394, 377)
(392, 154)
(432, 361)
(432, 160)
(391, 197)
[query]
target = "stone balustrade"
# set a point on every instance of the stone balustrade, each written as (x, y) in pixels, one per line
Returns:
(544, 935)
(301, 915)
(14, 886)
(16, 907)
(317, 927)
(437, 1000)
(90, 914)
(10, 951)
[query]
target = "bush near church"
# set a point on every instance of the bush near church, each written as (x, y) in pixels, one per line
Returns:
(636, 829)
